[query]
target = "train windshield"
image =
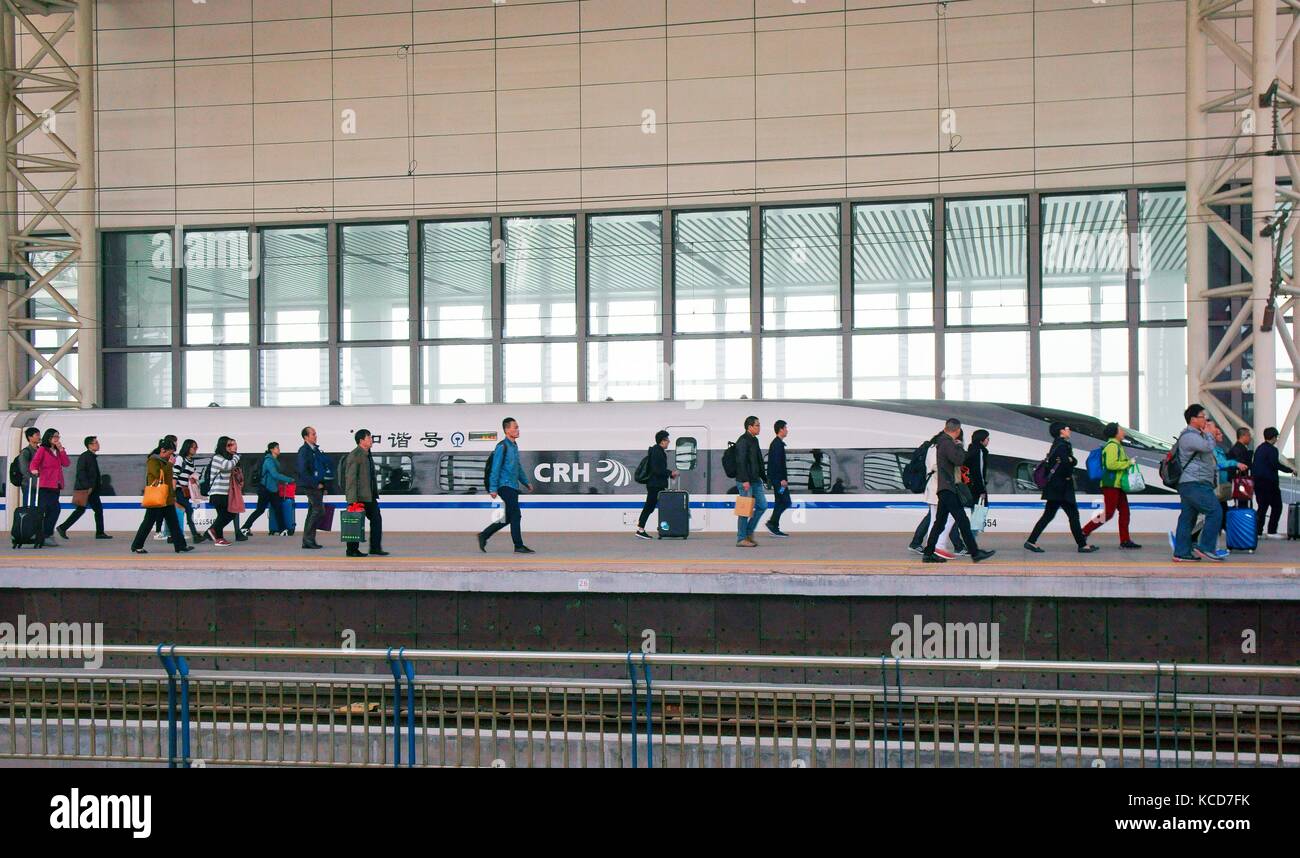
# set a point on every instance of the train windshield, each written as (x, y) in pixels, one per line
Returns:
(1092, 427)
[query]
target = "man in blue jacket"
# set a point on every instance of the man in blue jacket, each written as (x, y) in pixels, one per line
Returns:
(505, 479)
(1268, 489)
(313, 473)
(779, 476)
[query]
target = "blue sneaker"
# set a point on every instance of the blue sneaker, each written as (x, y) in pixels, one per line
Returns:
(1214, 555)
(1223, 553)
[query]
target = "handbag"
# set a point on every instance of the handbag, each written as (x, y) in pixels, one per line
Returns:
(1243, 488)
(979, 517)
(155, 496)
(81, 497)
(744, 506)
(1132, 481)
(235, 500)
(325, 521)
(352, 526)
(287, 490)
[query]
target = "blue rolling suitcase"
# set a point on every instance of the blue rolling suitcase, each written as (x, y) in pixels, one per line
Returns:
(1241, 530)
(281, 515)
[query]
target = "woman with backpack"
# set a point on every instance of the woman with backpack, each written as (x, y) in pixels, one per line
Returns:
(221, 476)
(1115, 463)
(186, 485)
(1059, 491)
(656, 479)
(269, 492)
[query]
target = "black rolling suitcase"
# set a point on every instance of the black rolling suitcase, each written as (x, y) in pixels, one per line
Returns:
(1293, 521)
(29, 526)
(674, 514)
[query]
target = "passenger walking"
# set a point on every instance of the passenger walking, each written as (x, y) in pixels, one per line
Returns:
(159, 472)
(221, 470)
(659, 475)
(1194, 451)
(944, 547)
(1228, 469)
(1059, 492)
(186, 488)
(166, 522)
(269, 493)
(1115, 463)
(1241, 451)
(361, 487)
(1265, 469)
(47, 464)
(85, 487)
(948, 459)
(504, 479)
(314, 472)
(750, 476)
(779, 476)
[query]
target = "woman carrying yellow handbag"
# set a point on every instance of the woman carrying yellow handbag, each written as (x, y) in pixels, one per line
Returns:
(159, 499)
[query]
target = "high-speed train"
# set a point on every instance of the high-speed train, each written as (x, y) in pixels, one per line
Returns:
(845, 458)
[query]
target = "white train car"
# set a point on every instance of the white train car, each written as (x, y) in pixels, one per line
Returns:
(846, 458)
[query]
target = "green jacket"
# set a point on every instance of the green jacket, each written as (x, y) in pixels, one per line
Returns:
(358, 477)
(1114, 462)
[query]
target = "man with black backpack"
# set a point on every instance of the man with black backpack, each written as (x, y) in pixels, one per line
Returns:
(948, 460)
(750, 475)
(504, 477)
(20, 469)
(654, 477)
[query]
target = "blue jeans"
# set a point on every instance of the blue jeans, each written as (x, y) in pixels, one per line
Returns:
(745, 526)
(1197, 498)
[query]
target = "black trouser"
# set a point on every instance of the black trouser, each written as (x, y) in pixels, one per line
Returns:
(315, 509)
(1269, 498)
(513, 518)
(780, 503)
(918, 537)
(1071, 513)
(49, 504)
(376, 525)
(221, 503)
(950, 504)
(93, 503)
(264, 499)
(651, 500)
(154, 517)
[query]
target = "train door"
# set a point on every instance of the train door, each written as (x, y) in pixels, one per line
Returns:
(686, 456)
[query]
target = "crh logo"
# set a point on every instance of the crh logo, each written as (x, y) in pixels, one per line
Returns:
(612, 472)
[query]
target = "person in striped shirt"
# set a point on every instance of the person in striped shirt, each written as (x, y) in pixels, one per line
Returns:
(186, 485)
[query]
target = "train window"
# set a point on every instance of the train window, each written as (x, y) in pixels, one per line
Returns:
(882, 470)
(687, 454)
(462, 472)
(395, 473)
(1025, 479)
(810, 472)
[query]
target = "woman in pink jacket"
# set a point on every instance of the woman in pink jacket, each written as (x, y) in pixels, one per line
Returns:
(48, 465)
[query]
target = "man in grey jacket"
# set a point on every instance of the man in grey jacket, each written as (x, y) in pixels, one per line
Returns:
(1195, 452)
(948, 460)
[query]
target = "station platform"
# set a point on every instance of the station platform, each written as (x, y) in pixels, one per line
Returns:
(807, 564)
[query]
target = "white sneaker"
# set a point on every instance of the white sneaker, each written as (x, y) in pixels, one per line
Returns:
(1274, 536)
(160, 535)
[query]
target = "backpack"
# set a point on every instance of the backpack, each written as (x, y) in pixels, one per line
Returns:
(205, 481)
(915, 476)
(1095, 469)
(729, 466)
(642, 474)
(1042, 474)
(16, 471)
(1171, 470)
(487, 467)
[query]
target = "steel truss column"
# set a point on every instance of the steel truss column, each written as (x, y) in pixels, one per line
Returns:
(57, 220)
(1243, 171)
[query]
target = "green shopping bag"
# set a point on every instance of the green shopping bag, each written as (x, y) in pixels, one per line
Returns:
(1131, 481)
(352, 526)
